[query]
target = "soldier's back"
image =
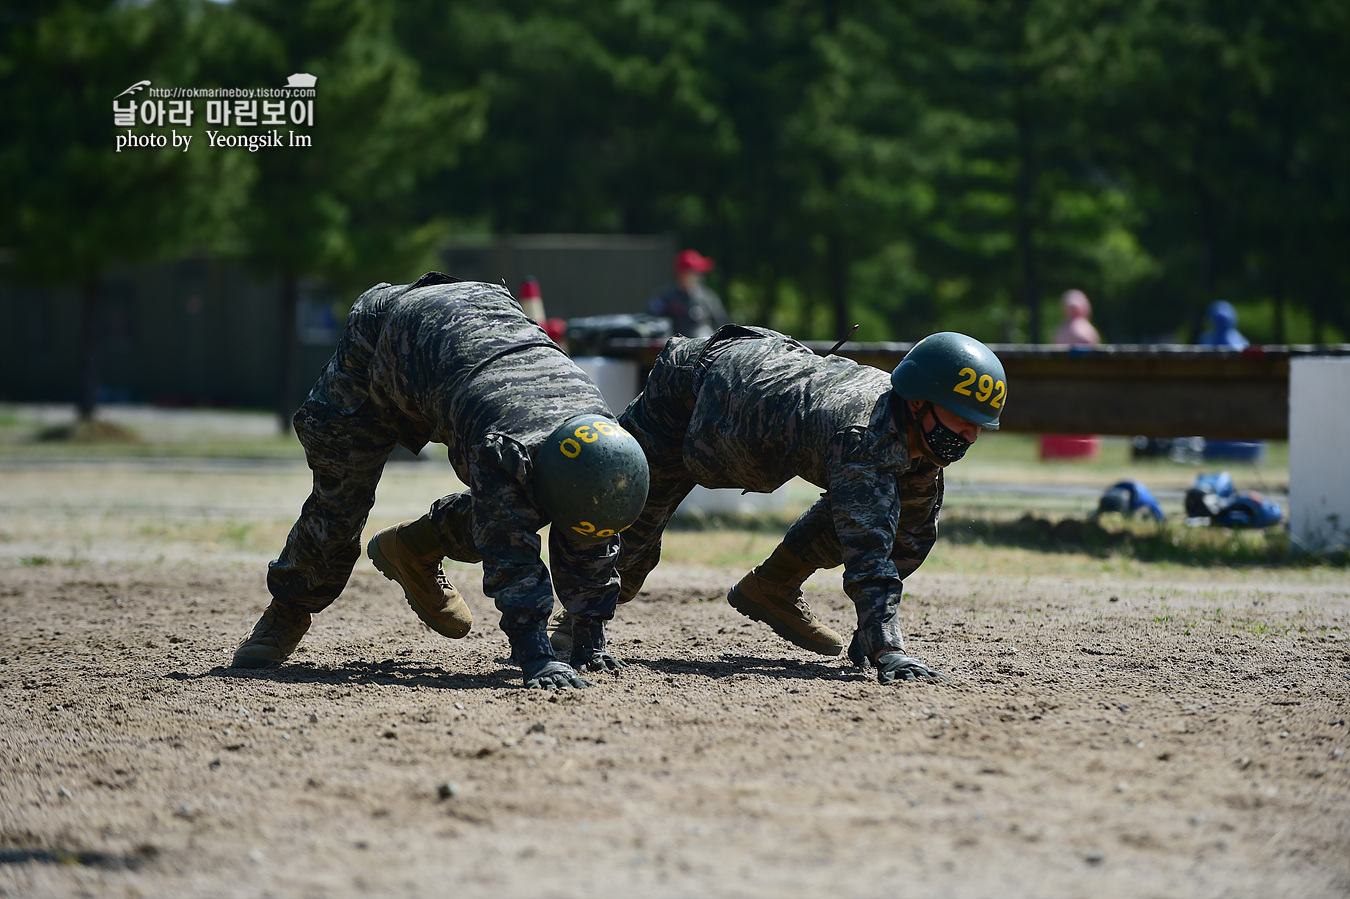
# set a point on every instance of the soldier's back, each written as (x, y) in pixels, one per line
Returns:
(768, 410)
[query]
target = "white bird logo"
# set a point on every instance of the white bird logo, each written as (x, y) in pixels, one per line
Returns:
(135, 87)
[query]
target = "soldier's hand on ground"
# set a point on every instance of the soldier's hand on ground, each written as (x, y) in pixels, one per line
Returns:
(597, 661)
(550, 674)
(893, 666)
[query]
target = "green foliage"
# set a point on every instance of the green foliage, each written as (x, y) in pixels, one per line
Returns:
(910, 167)
(75, 206)
(344, 210)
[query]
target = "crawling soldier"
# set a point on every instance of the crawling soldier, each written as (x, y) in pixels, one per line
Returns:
(749, 408)
(460, 363)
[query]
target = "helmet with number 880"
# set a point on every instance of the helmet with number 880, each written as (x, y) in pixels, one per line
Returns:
(956, 372)
(591, 478)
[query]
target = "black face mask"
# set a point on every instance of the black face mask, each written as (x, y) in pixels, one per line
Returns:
(945, 445)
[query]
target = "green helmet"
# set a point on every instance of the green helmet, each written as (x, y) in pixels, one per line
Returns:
(590, 478)
(956, 372)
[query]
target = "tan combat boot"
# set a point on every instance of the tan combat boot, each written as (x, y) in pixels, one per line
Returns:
(274, 638)
(560, 624)
(560, 632)
(429, 594)
(772, 594)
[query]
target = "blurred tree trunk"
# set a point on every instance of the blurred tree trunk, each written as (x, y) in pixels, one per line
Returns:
(1281, 336)
(290, 304)
(836, 269)
(1026, 226)
(91, 336)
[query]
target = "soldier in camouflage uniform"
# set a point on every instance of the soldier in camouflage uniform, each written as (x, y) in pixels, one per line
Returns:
(749, 409)
(457, 363)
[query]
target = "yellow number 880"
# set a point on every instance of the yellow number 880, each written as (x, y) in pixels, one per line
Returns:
(590, 531)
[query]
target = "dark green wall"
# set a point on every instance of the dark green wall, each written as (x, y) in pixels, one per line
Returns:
(204, 332)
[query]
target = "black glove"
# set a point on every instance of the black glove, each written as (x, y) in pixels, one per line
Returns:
(550, 674)
(894, 665)
(856, 654)
(588, 647)
(534, 654)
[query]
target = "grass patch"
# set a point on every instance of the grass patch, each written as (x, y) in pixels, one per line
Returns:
(88, 431)
(1140, 540)
(117, 433)
(1013, 459)
(728, 539)
(767, 523)
(283, 448)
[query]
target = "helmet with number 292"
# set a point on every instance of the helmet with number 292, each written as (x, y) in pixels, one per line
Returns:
(591, 478)
(956, 372)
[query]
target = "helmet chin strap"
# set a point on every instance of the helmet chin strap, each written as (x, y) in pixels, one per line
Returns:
(939, 444)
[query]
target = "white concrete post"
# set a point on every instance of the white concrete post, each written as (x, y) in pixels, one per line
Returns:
(616, 378)
(1319, 452)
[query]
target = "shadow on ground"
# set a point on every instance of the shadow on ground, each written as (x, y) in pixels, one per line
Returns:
(729, 665)
(390, 672)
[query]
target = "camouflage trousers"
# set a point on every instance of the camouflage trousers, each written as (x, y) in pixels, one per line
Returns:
(347, 453)
(581, 573)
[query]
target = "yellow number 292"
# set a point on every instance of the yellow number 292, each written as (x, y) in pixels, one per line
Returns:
(987, 390)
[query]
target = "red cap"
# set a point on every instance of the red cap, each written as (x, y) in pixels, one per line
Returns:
(692, 261)
(529, 289)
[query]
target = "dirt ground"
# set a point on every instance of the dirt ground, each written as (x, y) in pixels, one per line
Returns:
(1139, 734)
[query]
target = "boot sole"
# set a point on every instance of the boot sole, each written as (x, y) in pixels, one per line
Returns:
(753, 610)
(390, 571)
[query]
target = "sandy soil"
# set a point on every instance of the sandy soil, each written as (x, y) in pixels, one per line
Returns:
(1145, 738)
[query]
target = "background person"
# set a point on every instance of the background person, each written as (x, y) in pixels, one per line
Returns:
(693, 309)
(1223, 334)
(1076, 330)
(1223, 331)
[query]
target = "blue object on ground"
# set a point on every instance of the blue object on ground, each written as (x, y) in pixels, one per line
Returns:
(1219, 483)
(1250, 510)
(1209, 495)
(1215, 498)
(1128, 497)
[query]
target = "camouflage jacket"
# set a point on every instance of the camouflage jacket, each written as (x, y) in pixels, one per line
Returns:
(769, 409)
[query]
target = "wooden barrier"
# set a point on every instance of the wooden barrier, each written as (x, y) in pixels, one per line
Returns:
(1153, 391)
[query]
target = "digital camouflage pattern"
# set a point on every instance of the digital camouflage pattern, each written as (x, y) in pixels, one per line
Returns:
(749, 408)
(457, 363)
